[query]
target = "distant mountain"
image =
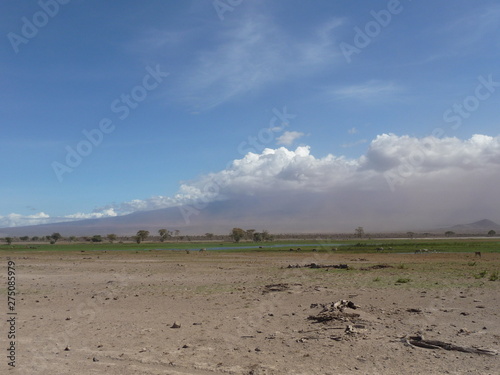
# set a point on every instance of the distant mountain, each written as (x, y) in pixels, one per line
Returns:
(484, 225)
(215, 217)
(288, 213)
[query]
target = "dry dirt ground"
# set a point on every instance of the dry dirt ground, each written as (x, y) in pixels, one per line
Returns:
(241, 313)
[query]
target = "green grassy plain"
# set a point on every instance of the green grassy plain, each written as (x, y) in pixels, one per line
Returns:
(487, 245)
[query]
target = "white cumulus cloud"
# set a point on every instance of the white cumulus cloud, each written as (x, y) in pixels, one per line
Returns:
(13, 219)
(288, 137)
(400, 179)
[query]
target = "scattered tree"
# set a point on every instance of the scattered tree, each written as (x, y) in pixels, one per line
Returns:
(55, 237)
(24, 238)
(72, 238)
(266, 236)
(209, 235)
(35, 238)
(96, 238)
(359, 232)
(164, 234)
(111, 237)
(491, 233)
(449, 233)
(9, 240)
(141, 236)
(237, 234)
(257, 237)
(410, 234)
(250, 233)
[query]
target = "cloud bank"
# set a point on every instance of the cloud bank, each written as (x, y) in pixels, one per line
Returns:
(413, 181)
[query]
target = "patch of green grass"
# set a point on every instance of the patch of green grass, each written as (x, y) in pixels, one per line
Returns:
(377, 279)
(480, 275)
(402, 266)
(494, 276)
(471, 264)
(356, 246)
(402, 280)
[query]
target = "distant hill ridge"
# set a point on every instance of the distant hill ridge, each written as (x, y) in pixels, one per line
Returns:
(481, 225)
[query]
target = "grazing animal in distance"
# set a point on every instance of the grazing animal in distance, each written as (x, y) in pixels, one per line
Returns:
(477, 254)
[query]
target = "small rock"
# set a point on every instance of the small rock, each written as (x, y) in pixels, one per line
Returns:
(67, 349)
(95, 359)
(176, 325)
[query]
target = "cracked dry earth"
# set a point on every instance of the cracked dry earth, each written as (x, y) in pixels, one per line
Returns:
(241, 313)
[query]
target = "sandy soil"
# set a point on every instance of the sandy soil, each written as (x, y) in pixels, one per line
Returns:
(112, 313)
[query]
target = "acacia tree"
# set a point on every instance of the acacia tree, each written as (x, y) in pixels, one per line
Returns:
(55, 237)
(8, 240)
(237, 234)
(250, 233)
(359, 232)
(111, 237)
(141, 236)
(164, 234)
(96, 238)
(491, 233)
(257, 237)
(266, 236)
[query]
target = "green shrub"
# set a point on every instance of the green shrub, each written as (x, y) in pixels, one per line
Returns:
(480, 275)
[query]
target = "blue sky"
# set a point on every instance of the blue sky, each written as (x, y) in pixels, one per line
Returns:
(182, 87)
